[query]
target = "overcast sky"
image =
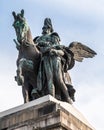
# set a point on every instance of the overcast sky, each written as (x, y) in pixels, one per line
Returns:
(81, 20)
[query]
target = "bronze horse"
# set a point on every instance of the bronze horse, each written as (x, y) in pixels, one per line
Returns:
(28, 57)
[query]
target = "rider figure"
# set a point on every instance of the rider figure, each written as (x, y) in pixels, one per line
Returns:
(51, 69)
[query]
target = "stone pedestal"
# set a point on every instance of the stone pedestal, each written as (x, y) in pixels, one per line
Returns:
(45, 113)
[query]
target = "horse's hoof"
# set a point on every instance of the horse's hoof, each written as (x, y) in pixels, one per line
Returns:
(69, 101)
(73, 98)
(34, 94)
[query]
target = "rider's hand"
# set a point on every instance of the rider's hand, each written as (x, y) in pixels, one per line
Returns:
(53, 51)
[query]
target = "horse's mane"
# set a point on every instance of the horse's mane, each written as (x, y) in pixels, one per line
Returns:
(29, 37)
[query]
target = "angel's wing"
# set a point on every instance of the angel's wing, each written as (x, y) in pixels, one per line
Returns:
(81, 51)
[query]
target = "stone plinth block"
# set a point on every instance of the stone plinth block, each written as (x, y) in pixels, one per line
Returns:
(45, 113)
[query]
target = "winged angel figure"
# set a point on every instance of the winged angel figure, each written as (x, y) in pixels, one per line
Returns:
(79, 52)
(42, 65)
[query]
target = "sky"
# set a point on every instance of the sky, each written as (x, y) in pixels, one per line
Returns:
(81, 20)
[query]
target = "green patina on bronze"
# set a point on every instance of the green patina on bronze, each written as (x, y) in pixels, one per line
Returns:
(43, 64)
(20, 25)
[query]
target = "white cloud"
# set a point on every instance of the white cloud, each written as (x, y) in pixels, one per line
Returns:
(79, 6)
(90, 103)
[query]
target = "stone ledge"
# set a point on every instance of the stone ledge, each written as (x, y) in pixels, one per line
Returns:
(26, 105)
(45, 112)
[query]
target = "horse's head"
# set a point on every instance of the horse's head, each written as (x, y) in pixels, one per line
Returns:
(21, 27)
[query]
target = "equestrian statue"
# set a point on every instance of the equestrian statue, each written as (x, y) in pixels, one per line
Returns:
(43, 63)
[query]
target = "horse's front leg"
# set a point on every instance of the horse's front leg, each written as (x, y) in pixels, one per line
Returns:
(20, 78)
(25, 93)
